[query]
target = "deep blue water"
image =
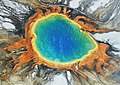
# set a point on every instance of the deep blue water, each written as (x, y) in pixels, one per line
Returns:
(58, 39)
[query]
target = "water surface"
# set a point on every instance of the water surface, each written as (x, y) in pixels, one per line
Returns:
(59, 39)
